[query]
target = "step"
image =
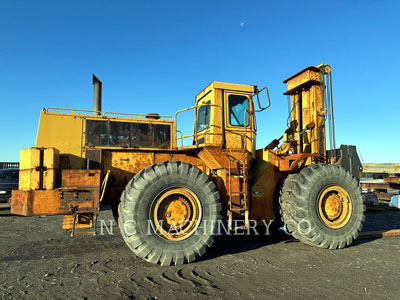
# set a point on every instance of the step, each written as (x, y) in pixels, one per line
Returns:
(237, 176)
(238, 193)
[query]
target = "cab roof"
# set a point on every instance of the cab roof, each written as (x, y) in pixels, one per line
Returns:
(226, 86)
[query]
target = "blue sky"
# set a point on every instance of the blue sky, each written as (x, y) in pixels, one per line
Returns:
(155, 56)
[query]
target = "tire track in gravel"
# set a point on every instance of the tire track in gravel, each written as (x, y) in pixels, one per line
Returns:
(204, 279)
(168, 279)
(180, 276)
(152, 281)
(132, 279)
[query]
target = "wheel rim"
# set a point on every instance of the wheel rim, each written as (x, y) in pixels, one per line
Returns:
(334, 206)
(176, 214)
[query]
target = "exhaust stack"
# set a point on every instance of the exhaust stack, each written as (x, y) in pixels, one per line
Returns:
(96, 95)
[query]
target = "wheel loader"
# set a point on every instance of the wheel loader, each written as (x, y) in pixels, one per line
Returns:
(172, 198)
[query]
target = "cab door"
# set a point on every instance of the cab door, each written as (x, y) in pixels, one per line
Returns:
(239, 121)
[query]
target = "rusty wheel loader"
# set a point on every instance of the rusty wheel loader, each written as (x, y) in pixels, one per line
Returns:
(173, 198)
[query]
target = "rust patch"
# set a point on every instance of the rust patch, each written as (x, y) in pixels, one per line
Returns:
(80, 178)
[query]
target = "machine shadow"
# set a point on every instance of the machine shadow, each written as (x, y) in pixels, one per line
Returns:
(228, 244)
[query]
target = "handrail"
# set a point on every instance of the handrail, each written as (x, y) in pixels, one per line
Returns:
(105, 114)
(129, 114)
(196, 133)
(196, 106)
(71, 109)
(178, 131)
(246, 127)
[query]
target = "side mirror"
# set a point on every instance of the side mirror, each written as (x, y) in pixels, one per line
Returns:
(256, 93)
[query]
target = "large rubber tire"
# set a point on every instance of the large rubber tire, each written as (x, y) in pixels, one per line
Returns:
(135, 207)
(299, 206)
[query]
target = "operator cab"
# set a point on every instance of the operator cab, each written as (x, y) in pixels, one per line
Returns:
(224, 116)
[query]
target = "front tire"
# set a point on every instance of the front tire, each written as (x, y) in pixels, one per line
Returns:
(322, 206)
(168, 213)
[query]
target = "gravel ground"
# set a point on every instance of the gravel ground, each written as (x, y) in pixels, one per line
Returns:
(40, 261)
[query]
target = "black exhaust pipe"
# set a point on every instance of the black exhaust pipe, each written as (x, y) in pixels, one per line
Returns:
(96, 95)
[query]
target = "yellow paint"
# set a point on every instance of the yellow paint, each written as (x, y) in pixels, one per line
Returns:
(29, 158)
(220, 132)
(29, 179)
(176, 214)
(307, 107)
(334, 206)
(51, 158)
(64, 136)
(63, 132)
(66, 132)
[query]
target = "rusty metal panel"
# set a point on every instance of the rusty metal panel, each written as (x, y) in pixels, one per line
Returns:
(80, 178)
(216, 157)
(132, 162)
(124, 165)
(263, 189)
(58, 201)
(187, 157)
(84, 221)
(31, 203)
(209, 160)
(380, 185)
(81, 199)
(392, 179)
(384, 196)
(290, 162)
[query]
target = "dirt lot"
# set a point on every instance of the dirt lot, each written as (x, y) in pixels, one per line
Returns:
(39, 261)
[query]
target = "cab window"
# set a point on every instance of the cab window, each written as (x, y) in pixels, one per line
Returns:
(237, 107)
(203, 117)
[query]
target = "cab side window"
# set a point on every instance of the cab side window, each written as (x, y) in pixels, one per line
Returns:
(203, 117)
(237, 107)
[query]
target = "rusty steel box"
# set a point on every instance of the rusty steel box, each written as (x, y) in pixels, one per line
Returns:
(79, 178)
(82, 221)
(31, 203)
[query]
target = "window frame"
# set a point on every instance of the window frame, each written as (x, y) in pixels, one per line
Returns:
(208, 108)
(227, 106)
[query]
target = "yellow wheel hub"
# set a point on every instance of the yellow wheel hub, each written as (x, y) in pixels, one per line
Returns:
(334, 206)
(176, 214)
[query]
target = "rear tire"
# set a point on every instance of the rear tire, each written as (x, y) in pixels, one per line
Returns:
(163, 192)
(322, 206)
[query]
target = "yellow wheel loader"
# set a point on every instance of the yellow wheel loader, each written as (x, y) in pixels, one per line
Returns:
(172, 199)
